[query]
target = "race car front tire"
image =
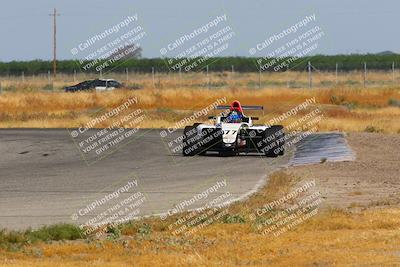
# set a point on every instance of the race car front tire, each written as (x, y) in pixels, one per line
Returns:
(275, 138)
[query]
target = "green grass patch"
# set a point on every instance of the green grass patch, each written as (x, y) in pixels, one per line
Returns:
(14, 240)
(394, 102)
(373, 129)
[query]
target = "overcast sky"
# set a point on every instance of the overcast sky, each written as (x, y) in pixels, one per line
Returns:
(356, 26)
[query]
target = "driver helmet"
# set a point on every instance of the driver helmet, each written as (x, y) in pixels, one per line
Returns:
(234, 117)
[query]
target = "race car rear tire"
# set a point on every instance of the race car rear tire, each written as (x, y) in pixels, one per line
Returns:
(189, 141)
(203, 153)
(227, 153)
(280, 139)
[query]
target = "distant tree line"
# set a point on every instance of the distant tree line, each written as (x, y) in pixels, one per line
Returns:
(240, 64)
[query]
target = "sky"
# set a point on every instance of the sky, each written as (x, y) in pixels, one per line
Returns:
(356, 26)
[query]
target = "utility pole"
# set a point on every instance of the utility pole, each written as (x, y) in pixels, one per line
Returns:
(152, 75)
(208, 78)
(287, 76)
(54, 15)
(336, 73)
(180, 77)
(309, 75)
(365, 73)
(232, 71)
(393, 71)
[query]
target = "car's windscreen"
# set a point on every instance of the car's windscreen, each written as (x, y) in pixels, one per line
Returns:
(113, 84)
(228, 120)
(99, 83)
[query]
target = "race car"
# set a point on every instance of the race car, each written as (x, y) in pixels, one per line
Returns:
(233, 133)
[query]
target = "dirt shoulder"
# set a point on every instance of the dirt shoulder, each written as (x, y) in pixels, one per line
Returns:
(372, 180)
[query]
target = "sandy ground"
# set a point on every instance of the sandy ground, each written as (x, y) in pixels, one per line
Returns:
(371, 181)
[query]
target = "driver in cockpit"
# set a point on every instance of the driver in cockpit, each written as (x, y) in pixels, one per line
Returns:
(234, 117)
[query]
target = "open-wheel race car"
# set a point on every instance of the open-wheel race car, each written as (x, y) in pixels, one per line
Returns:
(233, 133)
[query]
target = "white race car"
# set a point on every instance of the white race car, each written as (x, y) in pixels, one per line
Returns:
(233, 134)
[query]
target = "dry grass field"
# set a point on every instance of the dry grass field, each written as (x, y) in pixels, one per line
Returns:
(214, 80)
(334, 238)
(346, 107)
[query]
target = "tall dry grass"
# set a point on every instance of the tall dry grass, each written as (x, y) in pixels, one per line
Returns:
(172, 98)
(216, 80)
(191, 99)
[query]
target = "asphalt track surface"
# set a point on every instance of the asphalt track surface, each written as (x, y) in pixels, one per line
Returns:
(46, 178)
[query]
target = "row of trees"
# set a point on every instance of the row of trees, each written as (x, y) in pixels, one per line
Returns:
(240, 64)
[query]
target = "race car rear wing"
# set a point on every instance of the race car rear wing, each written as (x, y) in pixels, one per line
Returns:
(243, 107)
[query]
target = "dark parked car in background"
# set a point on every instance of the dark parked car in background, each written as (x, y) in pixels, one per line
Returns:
(98, 85)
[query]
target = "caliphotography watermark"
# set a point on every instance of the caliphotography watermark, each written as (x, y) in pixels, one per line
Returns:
(105, 49)
(281, 50)
(214, 207)
(281, 215)
(195, 199)
(301, 121)
(110, 210)
(123, 123)
(193, 50)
